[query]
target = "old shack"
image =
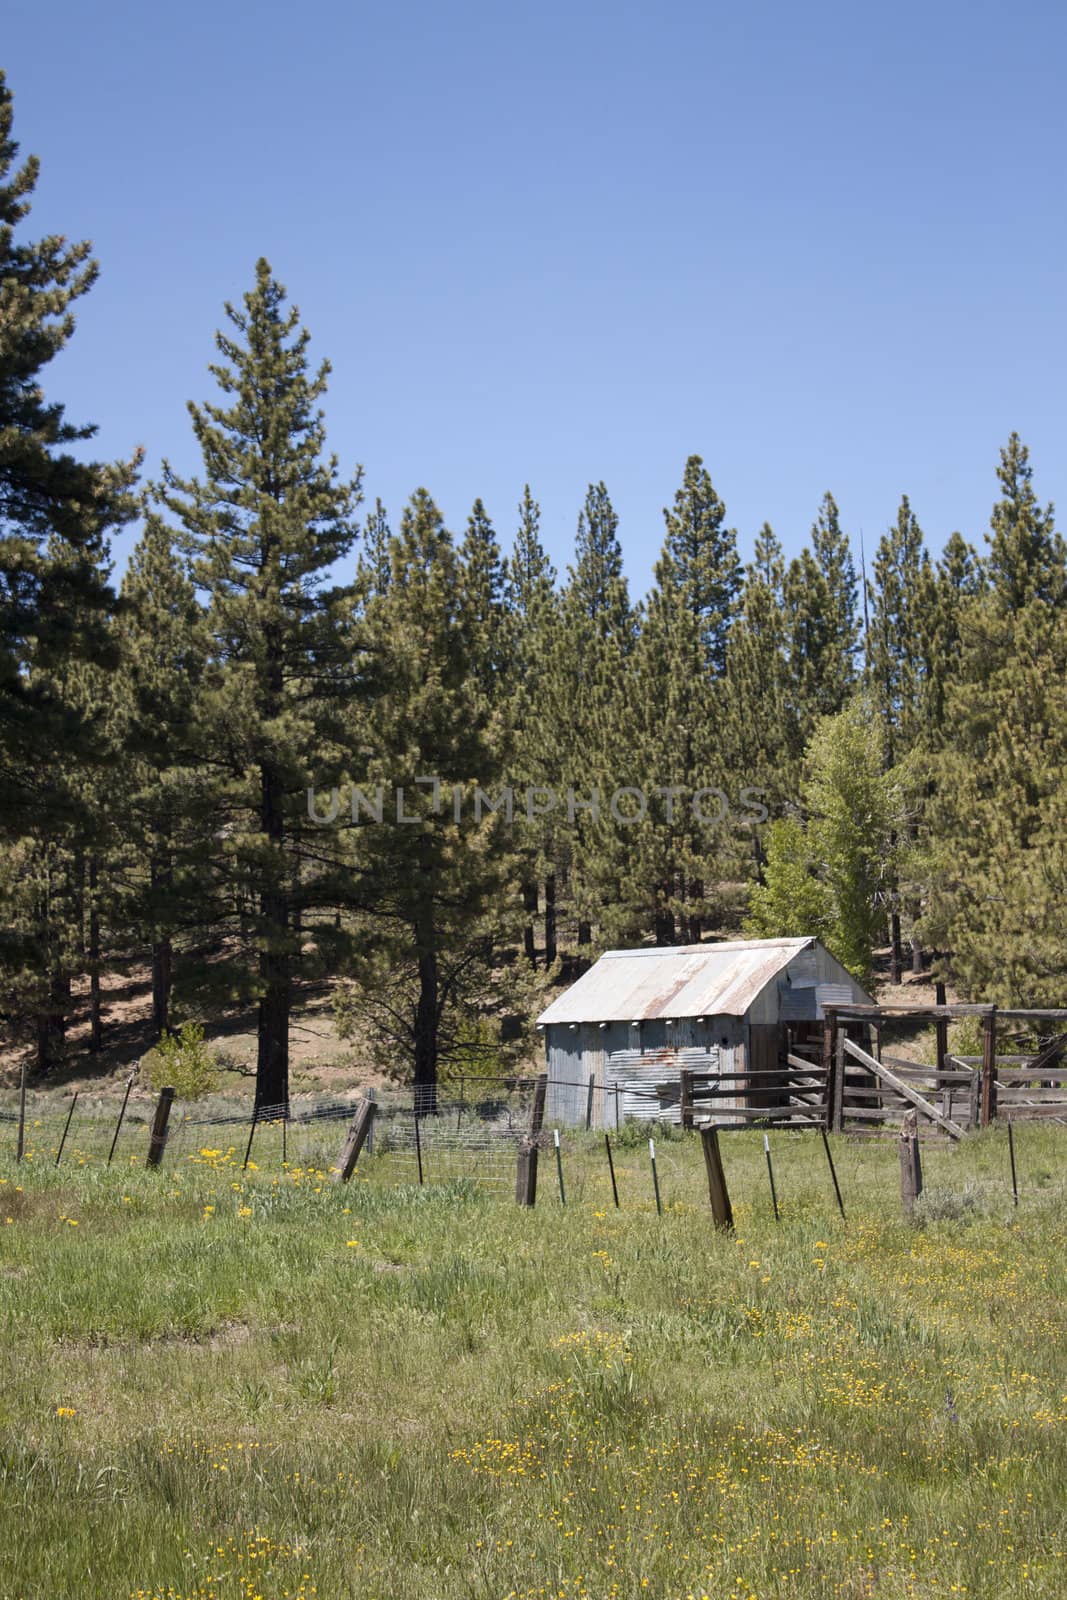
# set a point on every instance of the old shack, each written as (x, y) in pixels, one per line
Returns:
(638, 1018)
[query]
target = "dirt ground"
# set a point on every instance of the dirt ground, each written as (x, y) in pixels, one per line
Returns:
(320, 1062)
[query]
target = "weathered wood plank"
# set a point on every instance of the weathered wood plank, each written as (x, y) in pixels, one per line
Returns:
(157, 1139)
(718, 1193)
(989, 1068)
(357, 1133)
(886, 1074)
(911, 1172)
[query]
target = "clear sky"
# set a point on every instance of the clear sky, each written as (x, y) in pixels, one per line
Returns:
(821, 245)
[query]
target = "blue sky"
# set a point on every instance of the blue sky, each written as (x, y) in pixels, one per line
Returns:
(822, 246)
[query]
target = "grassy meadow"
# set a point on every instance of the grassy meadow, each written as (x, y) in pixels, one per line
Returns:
(227, 1385)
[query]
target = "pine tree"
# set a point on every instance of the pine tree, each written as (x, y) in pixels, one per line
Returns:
(594, 645)
(374, 563)
(55, 510)
(435, 869)
(755, 730)
(672, 722)
(263, 528)
(169, 801)
(897, 667)
(896, 664)
(484, 580)
(946, 592)
(822, 629)
(533, 622)
(1027, 557)
(990, 861)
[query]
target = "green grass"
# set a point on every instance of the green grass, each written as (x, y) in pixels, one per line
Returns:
(224, 1385)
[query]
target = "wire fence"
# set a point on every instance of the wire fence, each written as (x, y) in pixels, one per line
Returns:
(474, 1135)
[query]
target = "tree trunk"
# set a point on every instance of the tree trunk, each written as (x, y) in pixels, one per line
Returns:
(585, 932)
(96, 1026)
(52, 1021)
(894, 947)
(550, 919)
(162, 961)
(272, 1060)
(916, 957)
(529, 939)
(426, 1024)
(664, 927)
(162, 950)
(695, 922)
(50, 1018)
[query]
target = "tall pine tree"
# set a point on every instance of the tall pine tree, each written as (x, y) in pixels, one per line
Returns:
(263, 528)
(56, 510)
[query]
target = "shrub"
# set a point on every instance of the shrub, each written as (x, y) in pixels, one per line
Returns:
(948, 1205)
(184, 1061)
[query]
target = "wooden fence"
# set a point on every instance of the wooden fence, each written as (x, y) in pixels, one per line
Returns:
(793, 1094)
(869, 1091)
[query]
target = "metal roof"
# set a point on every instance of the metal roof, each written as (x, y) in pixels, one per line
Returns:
(695, 980)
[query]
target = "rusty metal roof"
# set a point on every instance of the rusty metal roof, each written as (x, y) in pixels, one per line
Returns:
(696, 980)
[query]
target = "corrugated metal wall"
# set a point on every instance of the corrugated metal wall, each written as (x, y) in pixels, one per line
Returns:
(637, 1070)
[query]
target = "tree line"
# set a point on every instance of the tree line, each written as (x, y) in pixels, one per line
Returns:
(193, 768)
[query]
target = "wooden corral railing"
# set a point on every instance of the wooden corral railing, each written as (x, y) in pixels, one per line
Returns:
(868, 1091)
(793, 1093)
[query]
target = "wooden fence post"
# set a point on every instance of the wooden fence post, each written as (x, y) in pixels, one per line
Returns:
(911, 1172)
(526, 1170)
(357, 1134)
(537, 1108)
(989, 1067)
(839, 1081)
(829, 1034)
(718, 1193)
(157, 1139)
(526, 1175)
(941, 1029)
(685, 1097)
(975, 1098)
(589, 1102)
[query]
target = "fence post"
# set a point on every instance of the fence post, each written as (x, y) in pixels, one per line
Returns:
(839, 1082)
(718, 1193)
(526, 1175)
(940, 1029)
(251, 1136)
(589, 1102)
(611, 1170)
(526, 1171)
(685, 1097)
(157, 1139)
(372, 1095)
(911, 1172)
(357, 1134)
(66, 1128)
(829, 1034)
(989, 1067)
(21, 1143)
(976, 1098)
(122, 1114)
